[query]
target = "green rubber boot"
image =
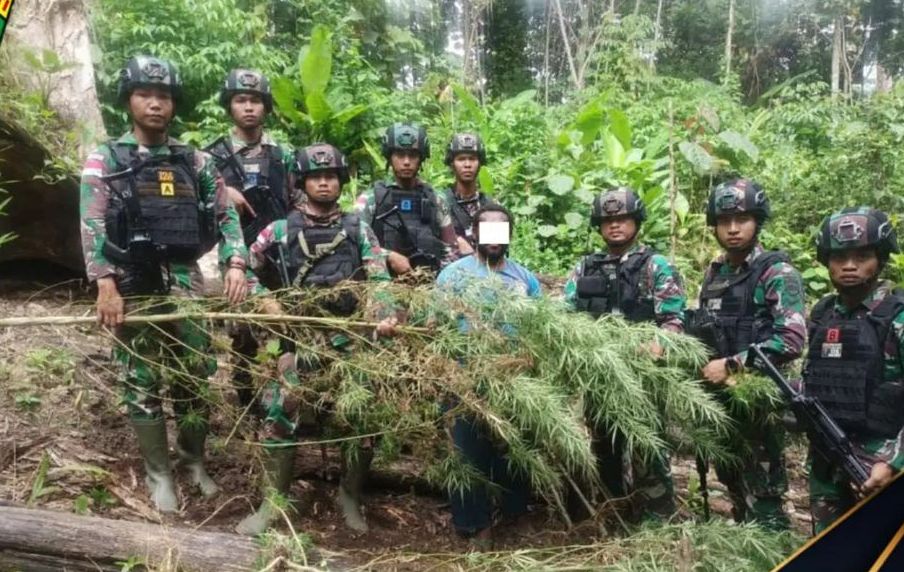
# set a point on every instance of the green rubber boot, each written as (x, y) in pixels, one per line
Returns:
(151, 435)
(350, 485)
(191, 457)
(279, 463)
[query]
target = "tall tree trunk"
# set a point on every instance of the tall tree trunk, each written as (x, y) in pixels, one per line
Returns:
(657, 33)
(546, 58)
(60, 26)
(728, 39)
(636, 7)
(837, 45)
(565, 41)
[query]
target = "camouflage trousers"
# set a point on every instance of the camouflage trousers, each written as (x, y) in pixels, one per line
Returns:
(757, 482)
(287, 407)
(831, 494)
(172, 354)
(649, 481)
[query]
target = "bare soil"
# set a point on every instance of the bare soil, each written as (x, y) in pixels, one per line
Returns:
(68, 417)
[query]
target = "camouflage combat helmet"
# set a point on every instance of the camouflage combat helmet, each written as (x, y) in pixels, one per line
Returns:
(405, 137)
(736, 197)
(855, 228)
(466, 143)
(246, 81)
(148, 71)
(618, 201)
(321, 157)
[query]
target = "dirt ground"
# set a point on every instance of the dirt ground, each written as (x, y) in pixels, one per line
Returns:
(59, 408)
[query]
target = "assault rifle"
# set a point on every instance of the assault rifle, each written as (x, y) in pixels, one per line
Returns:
(418, 257)
(825, 434)
(262, 198)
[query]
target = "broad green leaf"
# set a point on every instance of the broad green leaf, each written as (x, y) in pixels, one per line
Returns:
(740, 143)
(349, 113)
(702, 162)
(317, 106)
(317, 61)
(287, 97)
(560, 184)
(615, 152)
(547, 230)
(620, 127)
(574, 220)
(709, 115)
(469, 104)
(589, 121)
(485, 179)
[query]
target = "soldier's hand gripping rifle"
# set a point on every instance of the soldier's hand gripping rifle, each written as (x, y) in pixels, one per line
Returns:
(825, 434)
(267, 206)
(418, 257)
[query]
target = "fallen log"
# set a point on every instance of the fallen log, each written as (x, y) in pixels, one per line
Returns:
(32, 539)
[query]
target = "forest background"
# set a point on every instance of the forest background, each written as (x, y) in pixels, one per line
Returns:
(570, 96)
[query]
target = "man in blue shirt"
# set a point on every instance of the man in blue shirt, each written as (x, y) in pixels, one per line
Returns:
(472, 510)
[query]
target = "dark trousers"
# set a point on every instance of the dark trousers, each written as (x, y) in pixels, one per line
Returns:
(472, 510)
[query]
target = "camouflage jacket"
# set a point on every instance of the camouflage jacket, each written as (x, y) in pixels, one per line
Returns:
(660, 281)
(95, 199)
(888, 450)
(366, 206)
(780, 291)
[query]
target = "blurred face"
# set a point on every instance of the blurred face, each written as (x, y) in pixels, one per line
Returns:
(322, 187)
(618, 230)
(151, 108)
(405, 164)
(465, 166)
(247, 110)
(853, 268)
(493, 253)
(736, 232)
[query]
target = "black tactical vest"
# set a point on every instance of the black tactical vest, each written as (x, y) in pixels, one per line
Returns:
(613, 287)
(729, 299)
(263, 181)
(156, 213)
(406, 221)
(461, 218)
(321, 256)
(845, 367)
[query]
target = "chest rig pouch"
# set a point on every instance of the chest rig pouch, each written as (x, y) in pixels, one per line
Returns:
(845, 366)
(613, 287)
(155, 212)
(461, 209)
(261, 178)
(406, 222)
(729, 300)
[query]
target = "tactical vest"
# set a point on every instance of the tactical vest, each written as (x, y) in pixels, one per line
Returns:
(407, 222)
(322, 256)
(263, 181)
(461, 218)
(845, 366)
(155, 214)
(613, 287)
(729, 299)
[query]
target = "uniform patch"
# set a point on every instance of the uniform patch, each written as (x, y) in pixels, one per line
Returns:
(406, 206)
(167, 190)
(714, 304)
(833, 335)
(832, 350)
(166, 176)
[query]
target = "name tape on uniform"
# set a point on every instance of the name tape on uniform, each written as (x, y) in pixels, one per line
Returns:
(494, 232)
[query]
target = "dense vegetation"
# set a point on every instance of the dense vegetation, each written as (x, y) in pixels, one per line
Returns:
(344, 69)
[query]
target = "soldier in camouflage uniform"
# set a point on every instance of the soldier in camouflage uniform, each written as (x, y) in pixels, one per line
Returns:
(631, 280)
(410, 220)
(143, 231)
(465, 155)
(855, 363)
(323, 247)
(749, 295)
(259, 179)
